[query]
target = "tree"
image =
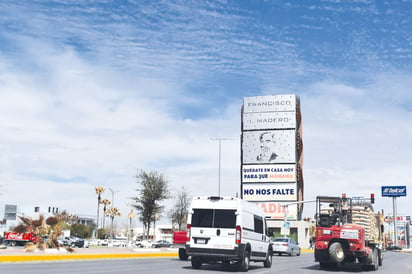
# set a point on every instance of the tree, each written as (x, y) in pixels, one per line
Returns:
(178, 214)
(153, 189)
(66, 217)
(81, 230)
(52, 227)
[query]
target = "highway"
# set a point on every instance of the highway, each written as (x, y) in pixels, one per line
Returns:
(394, 262)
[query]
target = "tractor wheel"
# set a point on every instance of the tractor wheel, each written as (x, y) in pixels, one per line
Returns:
(375, 260)
(380, 257)
(325, 266)
(336, 252)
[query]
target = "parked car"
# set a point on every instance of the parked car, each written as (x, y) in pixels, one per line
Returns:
(161, 243)
(143, 243)
(283, 245)
(118, 243)
(73, 242)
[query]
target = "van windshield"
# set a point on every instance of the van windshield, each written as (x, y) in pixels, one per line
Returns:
(216, 218)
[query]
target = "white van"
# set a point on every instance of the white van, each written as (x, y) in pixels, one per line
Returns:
(227, 230)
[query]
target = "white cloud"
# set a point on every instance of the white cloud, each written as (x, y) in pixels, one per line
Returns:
(85, 104)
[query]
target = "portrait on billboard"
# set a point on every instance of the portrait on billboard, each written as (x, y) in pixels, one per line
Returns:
(269, 146)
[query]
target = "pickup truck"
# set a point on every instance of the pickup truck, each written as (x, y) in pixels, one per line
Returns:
(179, 241)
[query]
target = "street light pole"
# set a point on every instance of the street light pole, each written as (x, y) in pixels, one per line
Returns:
(112, 191)
(220, 157)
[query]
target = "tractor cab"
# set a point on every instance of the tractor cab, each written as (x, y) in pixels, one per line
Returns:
(332, 211)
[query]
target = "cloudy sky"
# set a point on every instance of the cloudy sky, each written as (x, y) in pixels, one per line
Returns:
(91, 92)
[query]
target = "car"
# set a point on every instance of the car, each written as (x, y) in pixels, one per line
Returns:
(393, 247)
(144, 243)
(285, 245)
(161, 243)
(73, 242)
(117, 243)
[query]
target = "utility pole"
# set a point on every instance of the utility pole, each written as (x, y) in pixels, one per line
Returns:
(220, 139)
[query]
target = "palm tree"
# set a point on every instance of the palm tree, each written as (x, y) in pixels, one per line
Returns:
(105, 203)
(99, 191)
(112, 212)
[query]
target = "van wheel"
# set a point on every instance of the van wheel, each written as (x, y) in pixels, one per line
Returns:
(268, 262)
(182, 254)
(244, 263)
(196, 262)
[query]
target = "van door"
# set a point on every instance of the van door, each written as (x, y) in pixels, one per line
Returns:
(259, 241)
(213, 228)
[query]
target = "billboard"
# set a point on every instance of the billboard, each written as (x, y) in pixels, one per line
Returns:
(393, 191)
(269, 192)
(271, 149)
(269, 120)
(269, 146)
(269, 103)
(268, 173)
(278, 210)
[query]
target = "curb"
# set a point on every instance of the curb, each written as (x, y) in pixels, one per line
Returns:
(58, 257)
(30, 257)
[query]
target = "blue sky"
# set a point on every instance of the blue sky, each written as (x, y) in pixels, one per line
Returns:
(92, 91)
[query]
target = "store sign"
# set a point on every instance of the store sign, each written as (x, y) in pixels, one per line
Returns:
(279, 210)
(393, 191)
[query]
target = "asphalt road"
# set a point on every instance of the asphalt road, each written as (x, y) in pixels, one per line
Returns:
(393, 263)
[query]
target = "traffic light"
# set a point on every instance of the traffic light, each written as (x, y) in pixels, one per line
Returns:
(372, 198)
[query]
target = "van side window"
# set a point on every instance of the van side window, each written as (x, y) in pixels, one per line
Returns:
(258, 224)
(216, 218)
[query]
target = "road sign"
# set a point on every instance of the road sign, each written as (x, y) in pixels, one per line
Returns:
(393, 191)
(286, 224)
(285, 231)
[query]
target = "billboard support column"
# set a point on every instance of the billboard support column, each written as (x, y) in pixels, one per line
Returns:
(395, 222)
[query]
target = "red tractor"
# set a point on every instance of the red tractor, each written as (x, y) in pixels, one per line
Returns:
(348, 231)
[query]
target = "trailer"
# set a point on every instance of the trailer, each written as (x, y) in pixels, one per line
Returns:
(14, 239)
